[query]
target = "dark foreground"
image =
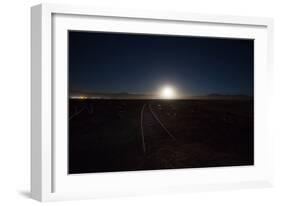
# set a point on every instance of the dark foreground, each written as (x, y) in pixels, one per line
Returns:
(127, 135)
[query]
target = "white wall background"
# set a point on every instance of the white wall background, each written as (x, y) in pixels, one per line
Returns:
(15, 101)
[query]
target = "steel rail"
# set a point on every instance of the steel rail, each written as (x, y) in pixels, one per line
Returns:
(161, 124)
(142, 130)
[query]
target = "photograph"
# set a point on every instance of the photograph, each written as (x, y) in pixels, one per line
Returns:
(140, 102)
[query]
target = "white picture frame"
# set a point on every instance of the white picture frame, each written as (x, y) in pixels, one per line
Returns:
(49, 179)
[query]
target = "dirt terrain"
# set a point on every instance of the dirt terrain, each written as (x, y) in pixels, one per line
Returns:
(126, 135)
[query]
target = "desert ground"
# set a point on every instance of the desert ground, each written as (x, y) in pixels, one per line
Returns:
(130, 135)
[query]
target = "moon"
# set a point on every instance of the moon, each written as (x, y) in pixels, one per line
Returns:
(167, 92)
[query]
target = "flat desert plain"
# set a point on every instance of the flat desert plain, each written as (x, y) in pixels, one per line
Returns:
(130, 135)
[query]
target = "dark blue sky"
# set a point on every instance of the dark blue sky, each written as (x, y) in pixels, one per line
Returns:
(141, 63)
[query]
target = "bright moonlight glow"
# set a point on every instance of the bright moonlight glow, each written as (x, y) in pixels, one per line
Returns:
(167, 92)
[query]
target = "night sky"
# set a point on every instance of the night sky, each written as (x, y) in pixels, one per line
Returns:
(142, 63)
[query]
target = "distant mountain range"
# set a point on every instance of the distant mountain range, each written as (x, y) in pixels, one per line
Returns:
(227, 96)
(109, 95)
(126, 95)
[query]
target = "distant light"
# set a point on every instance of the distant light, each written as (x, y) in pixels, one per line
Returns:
(79, 97)
(82, 97)
(167, 92)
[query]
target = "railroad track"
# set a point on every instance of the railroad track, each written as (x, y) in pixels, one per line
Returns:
(88, 108)
(153, 129)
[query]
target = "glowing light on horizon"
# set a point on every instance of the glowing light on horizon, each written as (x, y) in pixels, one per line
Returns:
(79, 97)
(168, 92)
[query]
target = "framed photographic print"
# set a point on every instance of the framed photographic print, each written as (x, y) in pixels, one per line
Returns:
(137, 102)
